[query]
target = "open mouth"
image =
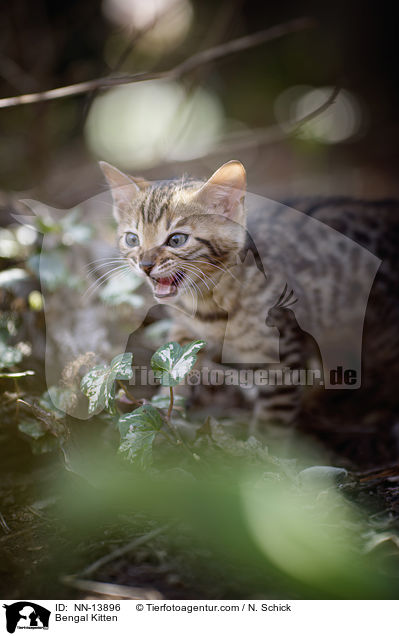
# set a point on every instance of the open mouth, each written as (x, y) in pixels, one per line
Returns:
(168, 286)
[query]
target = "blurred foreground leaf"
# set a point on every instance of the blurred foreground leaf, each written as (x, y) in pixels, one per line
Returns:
(268, 536)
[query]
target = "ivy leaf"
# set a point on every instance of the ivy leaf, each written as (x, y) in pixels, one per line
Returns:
(40, 439)
(56, 401)
(171, 362)
(138, 431)
(99, 383)
(147, 415)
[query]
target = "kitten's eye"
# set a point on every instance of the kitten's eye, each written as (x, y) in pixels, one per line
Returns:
(131, 239)
(177, 240)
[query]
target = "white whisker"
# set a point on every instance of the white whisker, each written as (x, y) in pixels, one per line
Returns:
(223, 269)
(98, 267)
(193, 283)
(188, 288)
(196, 270)
(200, 275)
(115, 254)
(102, 280)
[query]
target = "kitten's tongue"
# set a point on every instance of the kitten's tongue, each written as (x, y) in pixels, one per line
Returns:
(165, 286)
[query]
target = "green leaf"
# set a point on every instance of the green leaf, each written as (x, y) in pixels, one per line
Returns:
(99, 383)
(138, 431)
(32, 427)
(56, 401)
(47, 225)
(120, 290)
(171, 362)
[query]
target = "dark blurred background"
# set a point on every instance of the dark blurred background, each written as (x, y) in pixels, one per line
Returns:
(49, 150)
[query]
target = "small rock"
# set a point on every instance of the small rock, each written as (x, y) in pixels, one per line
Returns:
(322, 476)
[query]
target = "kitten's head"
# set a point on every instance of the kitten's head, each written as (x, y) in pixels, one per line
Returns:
(180, 234)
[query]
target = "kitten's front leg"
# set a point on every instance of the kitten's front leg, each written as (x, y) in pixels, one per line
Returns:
(275, 415)
(277, 405)
(279, 400)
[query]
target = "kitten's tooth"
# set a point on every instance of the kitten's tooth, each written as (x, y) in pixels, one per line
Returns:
(163, 288)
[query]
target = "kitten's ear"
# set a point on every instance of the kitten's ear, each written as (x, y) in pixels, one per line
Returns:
(225, 190)
(124, 189)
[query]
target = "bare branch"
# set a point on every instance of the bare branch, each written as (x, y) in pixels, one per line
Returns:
(236, 142)
(274, 133)
(190, 64)
(317, 111)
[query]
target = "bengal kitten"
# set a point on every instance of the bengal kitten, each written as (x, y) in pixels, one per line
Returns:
(190, 238)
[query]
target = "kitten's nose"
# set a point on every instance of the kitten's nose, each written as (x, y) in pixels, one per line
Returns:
(146, 265)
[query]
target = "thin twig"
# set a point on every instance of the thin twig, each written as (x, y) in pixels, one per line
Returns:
(135, 37)
(12, 535)
(110, 590)
(174, 429)
(190, 64)
(271, 134)
(235, 142)
(129, 395)
(119, 552)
